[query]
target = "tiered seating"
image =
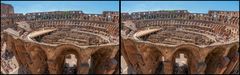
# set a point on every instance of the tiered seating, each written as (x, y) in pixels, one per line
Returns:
(69, 31)
(102, 28)
(59, 37)
(186, 31)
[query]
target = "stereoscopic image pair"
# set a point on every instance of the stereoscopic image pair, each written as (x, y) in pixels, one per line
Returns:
(105, 37)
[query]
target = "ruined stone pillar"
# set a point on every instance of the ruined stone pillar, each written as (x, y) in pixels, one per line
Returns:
(201, 66)
(107, 64)
(193, 68)
(232, 63)
(52, 67)
(109, 68)
(167, 67)
(83, 66)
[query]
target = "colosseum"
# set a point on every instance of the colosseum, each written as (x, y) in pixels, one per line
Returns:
(180, 42)
(59, 42)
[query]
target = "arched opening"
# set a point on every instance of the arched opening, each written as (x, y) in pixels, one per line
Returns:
(184, 61)
(212, 60)
(70, 64)
(181, 64)
(67, 62)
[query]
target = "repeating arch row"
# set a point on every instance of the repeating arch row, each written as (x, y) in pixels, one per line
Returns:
(208, 60)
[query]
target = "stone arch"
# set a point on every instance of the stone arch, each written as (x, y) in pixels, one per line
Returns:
(99, 59)
(39, 60)
(192, 55)
(60, 53)
(213, 59)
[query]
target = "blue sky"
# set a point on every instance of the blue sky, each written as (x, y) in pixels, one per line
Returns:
(191, 6)
(94, 7)
(127, 6)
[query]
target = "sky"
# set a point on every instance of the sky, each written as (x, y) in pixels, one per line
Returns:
(191, 6)
(91, 7)
(96, 7)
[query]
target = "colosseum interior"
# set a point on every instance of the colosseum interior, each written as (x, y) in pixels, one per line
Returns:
(152, 42)
(180, 42)
(59, 42)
